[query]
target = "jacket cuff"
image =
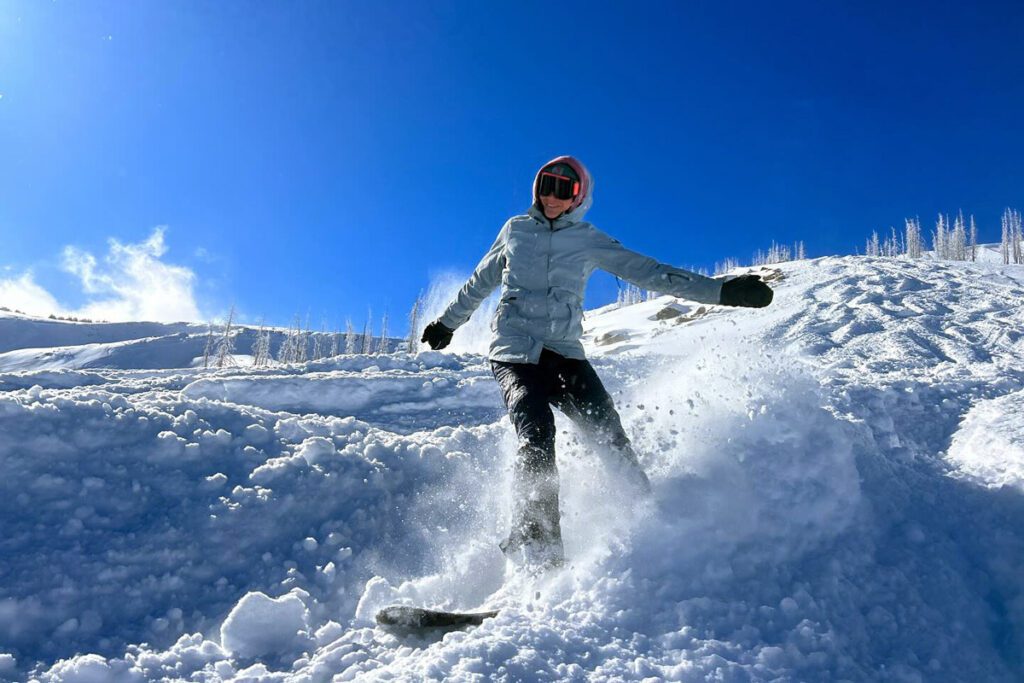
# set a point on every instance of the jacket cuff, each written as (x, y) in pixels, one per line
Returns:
(449, 321)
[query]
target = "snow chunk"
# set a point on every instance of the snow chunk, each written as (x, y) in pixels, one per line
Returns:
(261, 625)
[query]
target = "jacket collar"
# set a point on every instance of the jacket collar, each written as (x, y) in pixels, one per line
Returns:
(563, 221)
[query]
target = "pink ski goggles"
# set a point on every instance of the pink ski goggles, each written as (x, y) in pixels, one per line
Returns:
(561, 186)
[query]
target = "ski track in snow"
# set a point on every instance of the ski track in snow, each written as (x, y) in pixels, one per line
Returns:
(839, 496)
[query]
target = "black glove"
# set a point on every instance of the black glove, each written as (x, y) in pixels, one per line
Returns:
(437, 335)
(746, 290)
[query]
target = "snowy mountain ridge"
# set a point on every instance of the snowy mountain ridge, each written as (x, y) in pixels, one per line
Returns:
(839, 495)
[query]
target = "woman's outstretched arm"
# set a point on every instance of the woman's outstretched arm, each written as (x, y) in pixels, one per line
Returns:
(481, 283)
(608, 254)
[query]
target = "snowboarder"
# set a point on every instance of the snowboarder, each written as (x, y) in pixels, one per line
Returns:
(543, 260)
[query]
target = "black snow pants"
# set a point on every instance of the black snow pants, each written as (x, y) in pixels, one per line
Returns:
(529, 391)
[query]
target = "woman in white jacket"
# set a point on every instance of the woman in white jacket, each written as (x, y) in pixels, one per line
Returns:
(543, 260)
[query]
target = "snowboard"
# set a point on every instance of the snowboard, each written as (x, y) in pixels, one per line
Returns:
(404, 616)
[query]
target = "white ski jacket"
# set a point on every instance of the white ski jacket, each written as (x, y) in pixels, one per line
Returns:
(543, 267)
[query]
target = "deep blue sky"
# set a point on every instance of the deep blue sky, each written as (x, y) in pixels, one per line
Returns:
(320, 158)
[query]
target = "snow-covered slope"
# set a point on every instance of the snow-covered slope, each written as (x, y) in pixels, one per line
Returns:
(838, 488)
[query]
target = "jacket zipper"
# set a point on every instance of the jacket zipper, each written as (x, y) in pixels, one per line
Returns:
(547, 273)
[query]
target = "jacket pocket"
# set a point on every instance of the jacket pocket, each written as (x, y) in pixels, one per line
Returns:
(504, 314)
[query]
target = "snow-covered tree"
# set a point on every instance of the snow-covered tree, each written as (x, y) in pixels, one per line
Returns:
(723, 267)
(777, 253)
(913, 238)
(293, 349)
(382, 344)
(210, 343)
(226, 343)
(284, 352)
(1017, 239)
(319, 342)
(629, 294)
(972, 246)
(350, 337)
(891, 246)
(302, 348)
(872, 246)
(940, 237)
(335, 342)
(958, 239)
(413, 340)
(1012, 244)
(1004, 241)
(261, 349)
(799, 251)
(367, 340)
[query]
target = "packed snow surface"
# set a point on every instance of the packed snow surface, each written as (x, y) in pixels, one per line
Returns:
(839, 495)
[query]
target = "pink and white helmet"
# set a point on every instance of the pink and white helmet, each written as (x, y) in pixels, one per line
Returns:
(581, 173)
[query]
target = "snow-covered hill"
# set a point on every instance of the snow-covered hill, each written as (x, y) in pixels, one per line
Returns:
(20, 331)
(839, 486)
(30, 343)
